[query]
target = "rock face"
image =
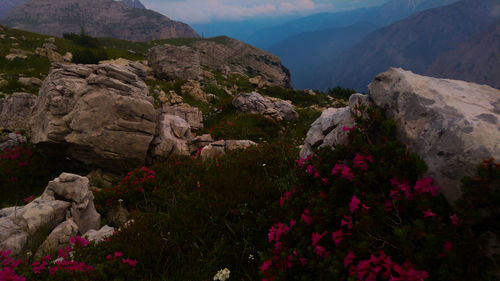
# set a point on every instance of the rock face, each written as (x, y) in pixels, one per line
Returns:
(99, 18)
(65, 208)
(192, 115)
(219, 148)
(222, 54)
(257, 104)
(15, 111)
(98, 114)
(453, 125)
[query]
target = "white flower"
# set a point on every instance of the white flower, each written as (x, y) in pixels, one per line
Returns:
(251, 257)
(263, 165)
(222, 275)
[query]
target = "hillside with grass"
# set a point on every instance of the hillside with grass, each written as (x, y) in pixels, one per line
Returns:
(214, 185)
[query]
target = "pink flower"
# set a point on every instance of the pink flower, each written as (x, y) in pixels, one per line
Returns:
(310, 169)
(424, 186)
(428, 213)
(306, 217)
(337, 237)
(324, 180)
(265, 266)
(346, 129)
(108, 257)
(285, 197)
(454, 219)
(316, 237)
(320, 251)
(118, 254)
(79, 240)
(303, 261)
(349, 258)
(346, 221)
(229, 124)
(361, 161)
(27, 200)
(388, 206)
(354, 204)
(130, 262)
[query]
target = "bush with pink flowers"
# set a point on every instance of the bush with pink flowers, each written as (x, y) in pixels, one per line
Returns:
(365, 211)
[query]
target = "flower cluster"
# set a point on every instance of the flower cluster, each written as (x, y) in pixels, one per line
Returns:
(222, 275)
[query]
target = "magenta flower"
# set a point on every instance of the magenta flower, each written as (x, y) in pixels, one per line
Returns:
(337, 237)
(265, 266)
(428, 213)
(130, 262)
(28, 199)
(310, 169)
(354, 204)
(346, 221)
(229, 124)
(118, 254)
(306, 217)
(454, 219)
(315, 237)
(285, 197)
(324, 180)
(346, 129)
(349, 258)
(424, 186)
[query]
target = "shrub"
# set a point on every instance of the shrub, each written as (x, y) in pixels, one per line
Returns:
(89, 56)
(365, 212)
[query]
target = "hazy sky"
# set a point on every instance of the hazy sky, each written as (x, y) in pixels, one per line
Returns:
(202, 11)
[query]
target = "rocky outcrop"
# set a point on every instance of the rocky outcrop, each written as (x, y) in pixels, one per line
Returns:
(192, 115)
(49, 50)
(221, 54)
(11, 140)
(64, 209)
(100, 115)
(99, 235)
(453, 125)
(173, 134)
(98, 18)
(135, 67)
(257, 104)
(15, 111)
(193, 88)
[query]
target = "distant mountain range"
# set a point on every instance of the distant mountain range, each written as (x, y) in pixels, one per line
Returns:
(99, 18)
(476, 60)
(414, 43)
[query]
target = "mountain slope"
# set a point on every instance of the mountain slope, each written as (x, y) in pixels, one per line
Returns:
(303, 52)
(414, 43)
(100, 18)
(477, 60)
(7, 5)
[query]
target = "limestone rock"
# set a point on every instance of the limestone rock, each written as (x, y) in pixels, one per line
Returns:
(75, 189)
(17, 54)
(193, 89)
(199, 141)
(99, 235)
(220, 148)
(30, 81)
(135, 67)
(453, 125)
(173, 134)
(49, 50)
(15, 111)
(192, 115)
(175, 62)
(57, 239)
(98, 114)
(257, 104)
(172, 98)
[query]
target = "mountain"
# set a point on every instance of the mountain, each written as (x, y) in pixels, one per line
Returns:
(100, 18)
(395, 10)
(413, 43)
(133, 4)
(303, 52)
(7, 5)
(477, 60)
(268, 37)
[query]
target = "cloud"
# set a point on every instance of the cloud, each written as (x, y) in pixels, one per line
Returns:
(199, 11)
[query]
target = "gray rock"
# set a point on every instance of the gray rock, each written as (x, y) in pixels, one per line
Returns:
(453, 125)
(75, 189)
(30, 81)
(15, 111)
(98, 114)
(173, 135)
(99, 235)
(220, 148)
(57, 239)
(175, 62)
(11, 140)
(192, 115)
(257, 104)
(193, 88)
(199, 141)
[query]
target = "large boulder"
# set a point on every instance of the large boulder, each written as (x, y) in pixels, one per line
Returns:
(57, 239)
(175, 62)
(257, 104)
(15, 111)
(453, 125)
(100, 115)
